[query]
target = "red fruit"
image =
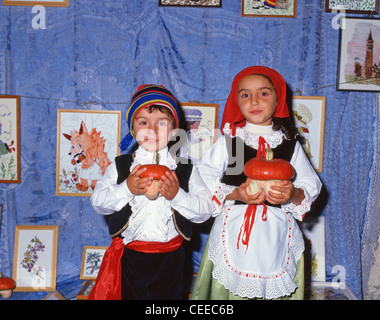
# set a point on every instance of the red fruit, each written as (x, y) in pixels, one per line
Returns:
(154, 170)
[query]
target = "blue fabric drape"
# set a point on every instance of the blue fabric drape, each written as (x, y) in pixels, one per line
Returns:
(103, 50)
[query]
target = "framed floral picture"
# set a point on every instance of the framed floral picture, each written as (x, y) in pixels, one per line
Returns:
(190, 3)
(269, 8)
(87, 142)
(359, 55)
(353, 6)
(202, 132)
(91, 260)
(45, 3)
(309, 118)
(10, 139)
(35, 258)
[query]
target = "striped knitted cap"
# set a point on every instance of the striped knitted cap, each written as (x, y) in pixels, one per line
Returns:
(147, 95)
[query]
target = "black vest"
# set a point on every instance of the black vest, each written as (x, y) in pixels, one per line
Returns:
(284, 151)
(118, 221)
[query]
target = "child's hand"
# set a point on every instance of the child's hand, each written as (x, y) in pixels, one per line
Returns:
(241, 194)
(285, 192)
(169, 185)
(136, 184)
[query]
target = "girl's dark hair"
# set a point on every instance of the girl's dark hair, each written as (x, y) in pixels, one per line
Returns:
(286, 125)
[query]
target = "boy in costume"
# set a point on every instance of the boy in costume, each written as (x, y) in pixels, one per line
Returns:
(146, 258)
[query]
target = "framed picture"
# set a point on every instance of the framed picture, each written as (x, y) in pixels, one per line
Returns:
(313, 230)
(55, 295)
(359, 55)
(91, 260)
(269, 8)
(85, 291)
(202, 124)
(10, 139)
(190, 3)
(353, 6)
(327, 291)
(45, 3)
(35, 258)
(87, 142)
(309, 117)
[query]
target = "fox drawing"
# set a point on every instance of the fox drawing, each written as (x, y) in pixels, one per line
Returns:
(87, 151)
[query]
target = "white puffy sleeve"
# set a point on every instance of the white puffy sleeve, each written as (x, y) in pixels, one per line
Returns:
(307, 180)
(194, 205)
(108, 196)
(211, 168)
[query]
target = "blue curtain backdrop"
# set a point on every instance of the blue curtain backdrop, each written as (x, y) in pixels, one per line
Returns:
(101, 51)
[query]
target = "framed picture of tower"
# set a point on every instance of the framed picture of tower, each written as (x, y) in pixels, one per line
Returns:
(359, 55)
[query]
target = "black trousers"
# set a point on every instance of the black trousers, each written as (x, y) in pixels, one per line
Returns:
(152, 276)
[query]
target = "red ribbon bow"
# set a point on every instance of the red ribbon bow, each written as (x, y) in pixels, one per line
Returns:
(250, 213)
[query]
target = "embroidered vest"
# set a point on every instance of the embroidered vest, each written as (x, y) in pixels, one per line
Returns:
(118, 221)
(284, 151)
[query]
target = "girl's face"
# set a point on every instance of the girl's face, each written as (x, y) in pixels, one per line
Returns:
(257, 99)
(152, 130)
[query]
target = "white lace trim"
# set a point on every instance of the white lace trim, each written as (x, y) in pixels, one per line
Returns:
(273, 138)
(299, 211)
(220, 192)
(249, 284)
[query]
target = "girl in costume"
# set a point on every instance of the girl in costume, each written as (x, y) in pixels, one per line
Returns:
(146, 258)
(255, 248)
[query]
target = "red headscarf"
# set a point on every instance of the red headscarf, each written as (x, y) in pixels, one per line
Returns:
(232, 113)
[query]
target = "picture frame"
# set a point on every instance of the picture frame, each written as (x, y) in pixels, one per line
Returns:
(202, 129)
(91, 261)
(328, 291)
(269, 8)
(10, 160)
(353, 6)
(313, 229)
(309, 117)
(190, 3)
(358, 59)
(32, 3)
(87, 142)
(55, 295)
(85, 290)
(35, 257)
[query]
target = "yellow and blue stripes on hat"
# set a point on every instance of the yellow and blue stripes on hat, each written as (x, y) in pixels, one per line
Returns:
(147, 95)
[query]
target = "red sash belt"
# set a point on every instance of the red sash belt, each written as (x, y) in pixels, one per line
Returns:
(156, 247)
(108, 281)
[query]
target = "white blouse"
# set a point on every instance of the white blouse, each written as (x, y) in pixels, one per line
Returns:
(151, 220)
(267, 266)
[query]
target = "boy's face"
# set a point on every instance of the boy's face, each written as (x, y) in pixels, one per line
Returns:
(257, 99)
(152, 130)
